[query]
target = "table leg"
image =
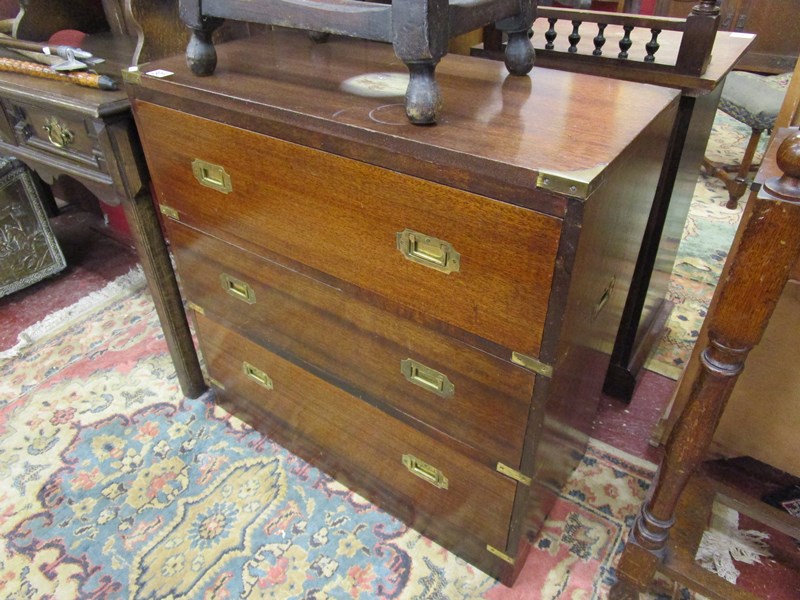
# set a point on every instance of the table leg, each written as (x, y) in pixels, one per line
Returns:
(132, 189)
(157, 267)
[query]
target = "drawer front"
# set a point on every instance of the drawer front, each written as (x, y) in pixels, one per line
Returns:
(478, 400)
(370, 444)
(475, 263)
(60, 134)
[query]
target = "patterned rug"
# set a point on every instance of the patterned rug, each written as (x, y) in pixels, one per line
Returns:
(704, 247)
(118, 487)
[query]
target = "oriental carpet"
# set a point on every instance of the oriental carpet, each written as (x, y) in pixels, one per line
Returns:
(118, 487)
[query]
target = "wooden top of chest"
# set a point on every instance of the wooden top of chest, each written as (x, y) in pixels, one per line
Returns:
(346, 96)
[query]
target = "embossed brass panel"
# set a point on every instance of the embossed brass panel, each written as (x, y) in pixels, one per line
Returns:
(427, 378)
(211, 175)
(428, 251)
(425, 471)
(29, 251)
(237, 288)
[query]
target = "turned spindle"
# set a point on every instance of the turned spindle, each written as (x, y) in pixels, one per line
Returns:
(757, 270)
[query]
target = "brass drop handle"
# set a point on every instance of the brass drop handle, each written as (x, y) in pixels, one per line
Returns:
(58, 133)
(425, 471)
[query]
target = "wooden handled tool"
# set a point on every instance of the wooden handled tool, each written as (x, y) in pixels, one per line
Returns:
(92, 80)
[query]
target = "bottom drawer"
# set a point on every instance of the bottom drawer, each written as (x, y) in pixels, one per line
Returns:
(429, 485)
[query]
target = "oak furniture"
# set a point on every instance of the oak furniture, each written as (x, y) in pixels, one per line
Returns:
(688, 54)
(665, 535)
(773, 21)
(425, 313)
(419, 31)
(59, 129)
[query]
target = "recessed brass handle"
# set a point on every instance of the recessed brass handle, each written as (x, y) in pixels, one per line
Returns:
(425, 471)
(237, 288)
(58, 133)
(427, 378)
(257, 375)
(211, 175)
(428, 251)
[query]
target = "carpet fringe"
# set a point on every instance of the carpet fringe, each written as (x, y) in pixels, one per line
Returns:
(725, 543)
(60, 319)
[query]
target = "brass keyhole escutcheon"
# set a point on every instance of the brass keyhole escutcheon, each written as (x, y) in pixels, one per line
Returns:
(58, 133)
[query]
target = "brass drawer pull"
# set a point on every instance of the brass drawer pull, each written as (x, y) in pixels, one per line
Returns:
(237, 288)
(257, 375)
(425, 471)
(211, 175)
(58, 133)
(428, 251)
(427, 378)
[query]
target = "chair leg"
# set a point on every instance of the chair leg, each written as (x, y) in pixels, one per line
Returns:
(738, 186)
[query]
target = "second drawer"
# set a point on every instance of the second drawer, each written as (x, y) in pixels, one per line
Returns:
(474, 400)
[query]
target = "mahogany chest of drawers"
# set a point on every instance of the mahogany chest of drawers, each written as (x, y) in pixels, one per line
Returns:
(423, 312)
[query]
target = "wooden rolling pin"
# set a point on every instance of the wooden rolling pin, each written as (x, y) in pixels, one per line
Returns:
(91, 80)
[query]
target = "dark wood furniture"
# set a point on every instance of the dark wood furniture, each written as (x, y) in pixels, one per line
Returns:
(419, 31)
(690, 55)
(774, 22)
(59, 129)
(766, 249)
(425, 313)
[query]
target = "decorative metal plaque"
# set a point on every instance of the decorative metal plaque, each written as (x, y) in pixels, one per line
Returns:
(29, 251)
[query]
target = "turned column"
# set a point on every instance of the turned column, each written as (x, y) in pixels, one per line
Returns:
(759, 268)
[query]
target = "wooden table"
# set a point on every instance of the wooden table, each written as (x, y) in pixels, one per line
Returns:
(59, 129)
(647, 308)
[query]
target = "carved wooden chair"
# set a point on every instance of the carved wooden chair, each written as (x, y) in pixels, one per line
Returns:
(419, 31)
(754, 101)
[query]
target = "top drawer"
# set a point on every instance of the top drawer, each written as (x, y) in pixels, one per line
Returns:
(65, 135)
(475, 263)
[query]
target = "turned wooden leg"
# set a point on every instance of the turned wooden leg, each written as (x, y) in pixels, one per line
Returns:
(519, 55)
(201, 56)
(423, 98)
(738, 186)
(758, 267)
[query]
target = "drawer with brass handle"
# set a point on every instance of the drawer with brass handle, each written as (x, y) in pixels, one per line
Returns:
(438, 484)
(479, 401)
(64, 135)
(474, 263)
